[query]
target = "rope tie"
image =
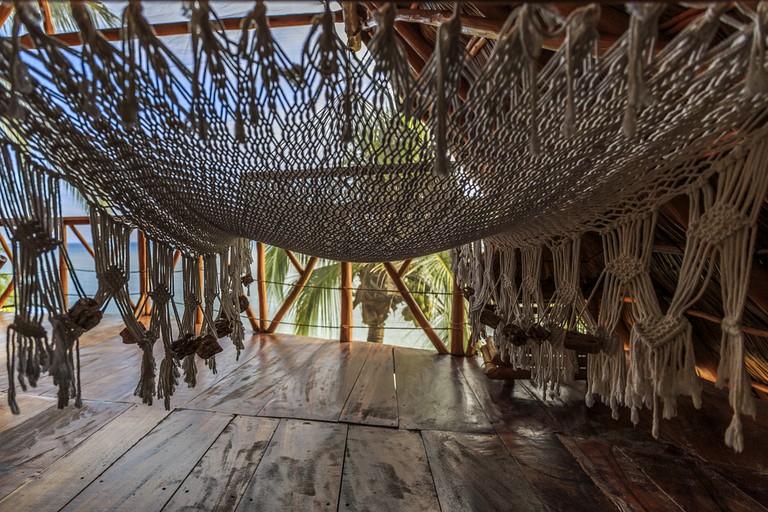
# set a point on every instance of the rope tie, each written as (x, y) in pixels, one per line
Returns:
(161, 295)
(34, 237)
(566, 294)
(625, 268)
(114, 279)
(731, 326)
(529, 285)
(27, 328)
(717, 223)
(657, 331)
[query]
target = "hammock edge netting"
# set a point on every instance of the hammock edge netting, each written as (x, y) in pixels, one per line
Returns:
(356, 160)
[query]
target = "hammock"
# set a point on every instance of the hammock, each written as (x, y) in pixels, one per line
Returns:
(353, 159)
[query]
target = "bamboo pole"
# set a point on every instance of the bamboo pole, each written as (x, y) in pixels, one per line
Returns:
(261, 283)
(143, 281)
(200, 291)
(47, 17)
(457, 322)
(415, 309)
(345, 334)
(82, 240)
(294, 261)
(7, 293)
(63, 268)
(6, 248)
(297, 288)
(6, 8)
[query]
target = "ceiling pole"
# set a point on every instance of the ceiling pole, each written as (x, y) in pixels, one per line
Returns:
(47, 17)
(6, 8)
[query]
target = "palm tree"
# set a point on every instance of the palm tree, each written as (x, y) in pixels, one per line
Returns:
(61, 13)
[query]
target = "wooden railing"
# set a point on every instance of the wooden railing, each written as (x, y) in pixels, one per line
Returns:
(261, 322)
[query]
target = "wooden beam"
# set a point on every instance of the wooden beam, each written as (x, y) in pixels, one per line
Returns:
(63, 269)
(297, 288)
(294, 261)
(6, 248)
(7, 293)
(415, 309)
(261, 284)
(6, 8)
(47, 17)
(182, 27)
(82, 240)
(145, 306)
(404, 267)
(457, 322)
(754, 331)
(347, 304)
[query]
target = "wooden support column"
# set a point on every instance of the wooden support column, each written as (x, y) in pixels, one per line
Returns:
(457, 322)
(64, 268)
(261, 283)
(345, 334)
(200, 291)
(415, 309)
(297, 288)
(143, 278)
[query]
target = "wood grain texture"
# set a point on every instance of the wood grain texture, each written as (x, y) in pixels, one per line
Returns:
(252, 385)
(466, 469)
(30, 405)
(386, 469)
(320, 390)
(619, 478)
(149, 473)
(30, 447)
(68, 476)
(373, 400)
(301, 469)
(425, 399)
(219, 479)
(528, 433)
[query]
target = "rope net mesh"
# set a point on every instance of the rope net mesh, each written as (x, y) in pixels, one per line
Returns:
(352, 158)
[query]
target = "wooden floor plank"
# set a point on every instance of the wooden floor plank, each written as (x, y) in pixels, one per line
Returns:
(373, 400)
(221, 476)
(620, 479)
(386, 469)
(68, 476)
(301, 469)
(251, 386)
(686, 481)
(30, 406)
(529, 434)
(466, 469)
(30, 447)
(150, 472)
(432, 394)
(320, 390)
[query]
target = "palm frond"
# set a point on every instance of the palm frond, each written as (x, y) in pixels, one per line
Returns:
(320, 302)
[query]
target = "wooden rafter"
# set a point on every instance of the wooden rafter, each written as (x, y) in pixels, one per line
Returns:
(48, 25)
(295, 292)
(6, 8)
(418, 315)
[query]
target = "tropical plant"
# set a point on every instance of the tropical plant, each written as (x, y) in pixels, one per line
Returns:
(61, 13)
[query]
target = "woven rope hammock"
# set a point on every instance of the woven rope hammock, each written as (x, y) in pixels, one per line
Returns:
(354, 159)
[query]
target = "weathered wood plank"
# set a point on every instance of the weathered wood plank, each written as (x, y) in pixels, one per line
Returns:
(373, 400)
(686, 481)
(68, 476)
(386, 469)
(30, 406)
(528, 433)
(432, 394)
(149, 473)
(251, 386)
(30, 447)
(219, 479)
(301, 469)
(466, 469)
(320, 390)
(622, 481)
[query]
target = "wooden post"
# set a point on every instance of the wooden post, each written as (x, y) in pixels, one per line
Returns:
(457, 322)
(47, 17)
(261, 283)
(6, 8)
(143, 278)
(303, 278)
(345, 334)
(199, 310)
(64, 269)
(415, 309)
(7, 293)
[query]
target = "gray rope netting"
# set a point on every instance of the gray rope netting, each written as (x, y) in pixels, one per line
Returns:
(354, 159)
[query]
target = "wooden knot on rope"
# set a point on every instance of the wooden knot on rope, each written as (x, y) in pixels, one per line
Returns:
(625, 268)
(85, 313)
(69, 328)
(32, 235)
(717, 223)
(27, 328)
(656, 331)
(731, 326)
(161, 295)
(608, 339)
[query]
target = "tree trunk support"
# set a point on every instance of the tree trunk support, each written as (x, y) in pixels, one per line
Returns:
(297, 288)
(345, 333)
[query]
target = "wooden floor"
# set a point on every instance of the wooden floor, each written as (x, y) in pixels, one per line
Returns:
(305, 424)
